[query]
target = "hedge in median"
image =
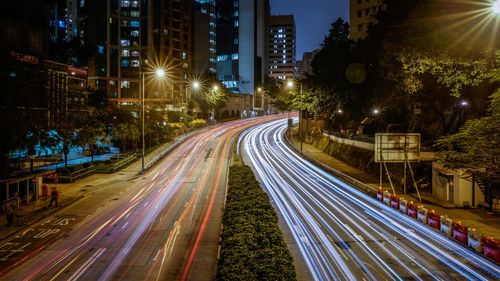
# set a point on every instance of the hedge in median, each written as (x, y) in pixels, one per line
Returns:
(252, 245)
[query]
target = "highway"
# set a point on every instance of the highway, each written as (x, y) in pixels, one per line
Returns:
(337, 232)
(163, 225)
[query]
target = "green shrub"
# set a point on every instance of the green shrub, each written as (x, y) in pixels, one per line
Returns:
(252, 245)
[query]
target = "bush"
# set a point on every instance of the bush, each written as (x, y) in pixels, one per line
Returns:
(252, 245)
(196, 123)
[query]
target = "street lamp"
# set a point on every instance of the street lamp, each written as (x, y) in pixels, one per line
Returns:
(196, 85)
(159, 73)
(290, 84)
(496, 7)
(375, 111)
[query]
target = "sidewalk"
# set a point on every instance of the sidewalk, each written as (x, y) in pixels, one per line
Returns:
(69, 193)
(487, 224)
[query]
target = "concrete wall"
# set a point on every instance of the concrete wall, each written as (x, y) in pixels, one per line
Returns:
(363, 145)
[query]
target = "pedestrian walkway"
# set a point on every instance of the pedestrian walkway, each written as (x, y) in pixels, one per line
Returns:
(487, 224)
(69, 193)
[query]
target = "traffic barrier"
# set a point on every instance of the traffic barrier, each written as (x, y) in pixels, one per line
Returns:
(403, 205)
(433, 219)
(422, 214)
(491, 248)
(446, 225)
(412, 209)
(459, 232)
(380, 194)
(474, 240)
(387, 198)
(395, 202)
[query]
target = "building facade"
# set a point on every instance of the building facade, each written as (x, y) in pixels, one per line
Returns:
(241, 44)
(205, 25)
(126, 38)
(282, 48)
(362, 14)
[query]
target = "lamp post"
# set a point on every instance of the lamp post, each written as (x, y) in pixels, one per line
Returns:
(290, 84)
(159, 73)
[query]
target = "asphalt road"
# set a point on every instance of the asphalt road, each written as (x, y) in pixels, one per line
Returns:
(163, 225)
(337, 232)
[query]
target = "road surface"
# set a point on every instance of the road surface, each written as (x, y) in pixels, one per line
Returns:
(337, 232)
(163, 225)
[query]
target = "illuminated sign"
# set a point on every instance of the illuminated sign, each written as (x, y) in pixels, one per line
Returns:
(24, 57)
(75, 71)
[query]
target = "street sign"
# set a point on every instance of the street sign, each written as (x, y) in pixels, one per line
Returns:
(397, 147)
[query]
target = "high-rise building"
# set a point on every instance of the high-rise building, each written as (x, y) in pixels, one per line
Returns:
(205, 23)
(241, 44)
(124, 36)
(282, 47)
(362, 14)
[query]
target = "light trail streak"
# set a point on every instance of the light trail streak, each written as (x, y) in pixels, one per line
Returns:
(331, 221)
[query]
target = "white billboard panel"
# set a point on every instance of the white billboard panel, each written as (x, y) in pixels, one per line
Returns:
(396, 147)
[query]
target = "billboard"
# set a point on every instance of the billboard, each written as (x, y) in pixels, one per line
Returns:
(397, 147)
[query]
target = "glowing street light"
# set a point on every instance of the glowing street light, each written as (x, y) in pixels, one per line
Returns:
(376, 111)
(495, 7)
(289, 84)
(464, 103)
(340, 111)
(196, 85)
(159, 73)
(216, 88)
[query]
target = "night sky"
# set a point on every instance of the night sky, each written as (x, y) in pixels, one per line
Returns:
(312, 19)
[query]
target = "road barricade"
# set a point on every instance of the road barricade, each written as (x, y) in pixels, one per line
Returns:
(412, 209)
(422, 214)
(387, 198)
(474, 240)
(491, 248)
(403, 206)
(433, 220)
(446, 225)
(380, 194)
(459, 232)
(395, 202)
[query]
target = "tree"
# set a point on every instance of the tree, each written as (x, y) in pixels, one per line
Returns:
(125, 134)
(212, 96)
(476, 147)
(91, 135)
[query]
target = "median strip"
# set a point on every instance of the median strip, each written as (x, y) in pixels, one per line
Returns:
(252, 245)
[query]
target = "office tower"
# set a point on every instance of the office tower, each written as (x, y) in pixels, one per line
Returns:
(241, 44)
(282, 47)
(124, 36)
(204, 45)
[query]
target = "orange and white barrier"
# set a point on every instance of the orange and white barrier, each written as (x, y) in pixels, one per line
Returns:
(395, 202)
(491, 248)
(403, 205)
(412, 209)
(422, 214)
(460, 232)
(387, 198)
(380, 194)
(474, 240)
(433, 219)
(446, 225)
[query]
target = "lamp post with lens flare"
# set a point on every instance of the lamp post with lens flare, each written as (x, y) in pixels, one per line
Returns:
(495, 7)
(291, 84)
(159, 73)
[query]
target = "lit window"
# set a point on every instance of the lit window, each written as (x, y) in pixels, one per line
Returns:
(134, 33)
(125, 43)
(125, 84)
(125, 63)
(100, 49)
(125, 53)
(134, 4)
(235, 4)
(222, 58)
(125, 3)
(82, 3)
(134, 23)
(234, 56)
(184, 55)
(135, 53)
(236, 23)
(134, 14)
(135, 63)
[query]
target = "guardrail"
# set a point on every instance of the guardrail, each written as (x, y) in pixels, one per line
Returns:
(77, 174)
(118, 165)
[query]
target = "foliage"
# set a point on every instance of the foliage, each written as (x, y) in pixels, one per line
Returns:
(197, 123)
(125, 135)
(252, 245)
(476, 147)
(212, 95)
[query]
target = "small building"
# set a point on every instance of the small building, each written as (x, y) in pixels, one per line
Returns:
(455, 186)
